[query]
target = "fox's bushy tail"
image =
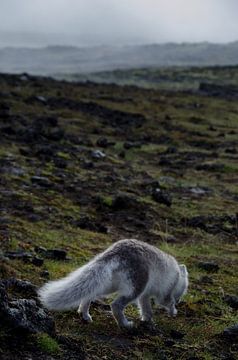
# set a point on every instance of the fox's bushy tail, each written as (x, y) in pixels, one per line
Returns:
(87, 282)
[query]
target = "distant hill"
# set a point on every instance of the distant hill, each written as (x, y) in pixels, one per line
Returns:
(67, 60)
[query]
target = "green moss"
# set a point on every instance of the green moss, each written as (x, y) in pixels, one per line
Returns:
(63, 155)
(47, 344)
(106, 200)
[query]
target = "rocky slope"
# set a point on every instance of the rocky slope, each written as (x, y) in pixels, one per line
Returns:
(84, 165)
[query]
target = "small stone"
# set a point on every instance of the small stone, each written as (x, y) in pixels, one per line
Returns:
(40, 249)
(19, 255)
(210, 167)
(205, 280)
(56, 254)
(162, 197)
(231, 150)
(165, 162)
(170, 239)
(87, 165)
(45, 274)
(103, 142)
(37, 261)
(55, 134)
(232, 301)
(41, 99)
(209, 266)
(124, 201)
(130, 144)
(98, 154)
(171, 150)
(177, 335)
(197, 191)
(231, 333)
(41, 181)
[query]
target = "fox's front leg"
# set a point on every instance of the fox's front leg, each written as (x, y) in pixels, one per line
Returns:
(84, 310)
(172, 311)
(145, 308)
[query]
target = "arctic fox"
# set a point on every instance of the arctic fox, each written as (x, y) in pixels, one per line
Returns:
(136, 271)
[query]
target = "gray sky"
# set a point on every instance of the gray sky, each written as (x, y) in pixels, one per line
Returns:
(118, 21)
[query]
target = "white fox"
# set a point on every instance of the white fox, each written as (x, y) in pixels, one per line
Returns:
(136, 271)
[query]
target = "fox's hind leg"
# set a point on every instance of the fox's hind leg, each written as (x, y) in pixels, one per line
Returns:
(118, 307)
(84, 310)
(145, 308)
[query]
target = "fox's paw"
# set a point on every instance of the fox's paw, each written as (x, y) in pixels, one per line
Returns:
(173, 312)
(128, 324)
(87, 317)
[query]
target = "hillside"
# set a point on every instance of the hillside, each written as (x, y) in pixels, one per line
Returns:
(84, 165)
(165, 78)
(55, 60)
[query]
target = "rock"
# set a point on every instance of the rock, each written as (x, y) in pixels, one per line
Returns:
(41, 181)
(98, 154)
(24, 315)
(45, 151)
(87, 165)
(231, 333)
(37, 261)
(231, 150)
(85, 222)
(49, 120)
(162, 197)
(104, 143)
(130, 144)
(34, 217)
(56, 254)
(60, 163)
(8, 130)
(122, 154)
(171, 150)
(24, 77)
(209, 266)
(25, 256)
(177, 335)
(205, 280)
(217, 90)
(45, 274)
(4, 111)
(124, 201)
(212, 128)
(36, 99)
(232, 301)
(210, 167)
(165, 161)
(199, 191)
(170, 239)
(40, 249)
(167, 180)
(55, 134)
(19, 255)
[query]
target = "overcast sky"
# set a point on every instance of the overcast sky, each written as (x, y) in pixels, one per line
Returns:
(118, 21)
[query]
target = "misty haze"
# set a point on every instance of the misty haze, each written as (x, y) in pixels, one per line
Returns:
(100, 35)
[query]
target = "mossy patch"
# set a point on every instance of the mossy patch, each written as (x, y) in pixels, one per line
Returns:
(47, 344)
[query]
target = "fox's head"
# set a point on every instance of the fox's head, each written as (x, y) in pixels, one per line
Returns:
(182, 285)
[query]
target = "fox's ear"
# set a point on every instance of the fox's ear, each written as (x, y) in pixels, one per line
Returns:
(183, 270)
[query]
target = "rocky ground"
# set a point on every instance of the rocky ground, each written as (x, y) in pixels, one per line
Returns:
(84, 165)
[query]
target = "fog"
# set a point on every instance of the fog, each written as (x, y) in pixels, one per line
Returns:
(95, 22)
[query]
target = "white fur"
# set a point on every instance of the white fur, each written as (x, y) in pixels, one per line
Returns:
(167, 282)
